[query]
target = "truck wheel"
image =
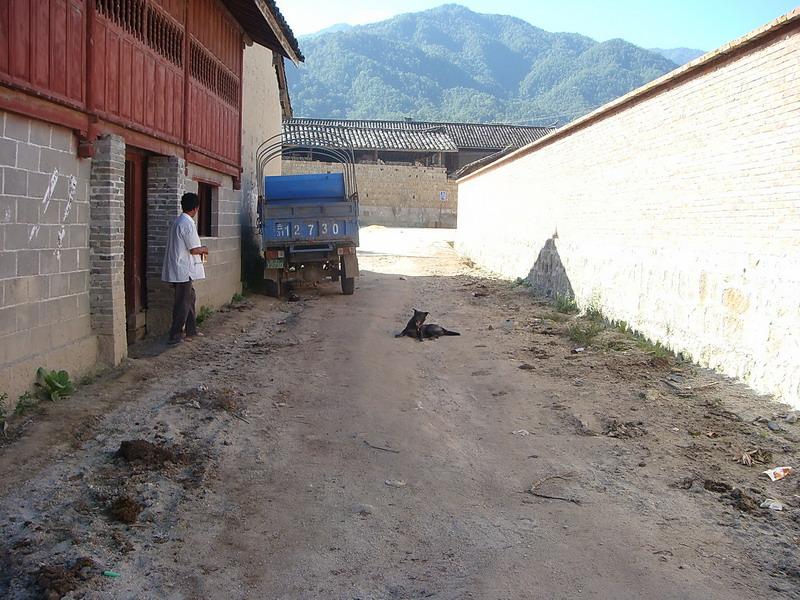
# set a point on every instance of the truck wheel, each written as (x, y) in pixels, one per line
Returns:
(348, 283)
(273, 288)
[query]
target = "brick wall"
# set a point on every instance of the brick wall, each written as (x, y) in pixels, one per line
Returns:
(676, 209)
(44, 263)
(166, 183)
(107, 248)
(167, 180)
(395, 195)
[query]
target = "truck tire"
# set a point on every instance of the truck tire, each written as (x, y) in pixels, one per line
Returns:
(348, 283)
(273, 288)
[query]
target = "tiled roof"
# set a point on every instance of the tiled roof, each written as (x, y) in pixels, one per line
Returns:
(250, 17)
(334, 134)
(491, 136)
(463, 136)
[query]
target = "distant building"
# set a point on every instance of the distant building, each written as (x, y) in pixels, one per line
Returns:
(405, 170)
(448, 145)
(109, 111)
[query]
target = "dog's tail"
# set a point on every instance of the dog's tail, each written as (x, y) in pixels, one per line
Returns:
(446, 332)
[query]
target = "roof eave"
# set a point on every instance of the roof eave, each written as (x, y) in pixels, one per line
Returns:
(278, 31)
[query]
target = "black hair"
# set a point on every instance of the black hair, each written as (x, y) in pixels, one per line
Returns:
(189, 202)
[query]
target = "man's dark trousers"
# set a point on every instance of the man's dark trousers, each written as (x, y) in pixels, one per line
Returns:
(183, 311)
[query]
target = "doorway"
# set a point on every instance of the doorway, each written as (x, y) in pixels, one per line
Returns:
(135, 244)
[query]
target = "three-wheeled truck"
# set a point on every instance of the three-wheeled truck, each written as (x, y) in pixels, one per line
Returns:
(308, 223)
(309, 231)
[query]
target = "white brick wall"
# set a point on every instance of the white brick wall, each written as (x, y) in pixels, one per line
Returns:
(679, 214)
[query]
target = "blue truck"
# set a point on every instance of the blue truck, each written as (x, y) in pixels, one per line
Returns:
(309, 231)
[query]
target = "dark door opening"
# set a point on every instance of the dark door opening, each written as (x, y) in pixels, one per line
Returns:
(135, 244)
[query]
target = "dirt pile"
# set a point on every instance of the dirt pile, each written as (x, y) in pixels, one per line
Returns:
(125, 509)
(147, 454)
(56, 581)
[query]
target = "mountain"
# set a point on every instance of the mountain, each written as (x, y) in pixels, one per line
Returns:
(332, 29)
(680, 56)
(452, 64)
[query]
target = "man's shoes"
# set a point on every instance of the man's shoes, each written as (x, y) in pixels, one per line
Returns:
(189, 338)
(173, 342)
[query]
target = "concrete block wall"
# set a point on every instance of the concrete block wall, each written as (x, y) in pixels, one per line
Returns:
(45, 259)
(224, 266)
(677, 211)
(395, 195)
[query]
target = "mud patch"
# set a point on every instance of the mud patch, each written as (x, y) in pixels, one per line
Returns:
(539, 353)
(226, 399)
(718, 487)
(741, 501)
(56, 581)
(264, 347)
(147, 454)
(623, 430)
(125, 509)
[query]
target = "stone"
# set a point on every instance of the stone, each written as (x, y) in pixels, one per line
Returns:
(363, 509)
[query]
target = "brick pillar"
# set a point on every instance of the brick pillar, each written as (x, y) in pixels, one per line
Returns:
(166, 183)
(107, 249)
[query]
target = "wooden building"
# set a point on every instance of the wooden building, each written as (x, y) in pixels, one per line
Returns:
(109, 111)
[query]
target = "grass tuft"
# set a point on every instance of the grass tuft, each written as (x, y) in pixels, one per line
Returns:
(25, 403)
(566, 305)
(584, 333)
(203, 314)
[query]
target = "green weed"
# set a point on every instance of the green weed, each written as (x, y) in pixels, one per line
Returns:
(595, 315)
(26, 402)
(3, 398)
(523, 282)
(203, 314)
(566, 305)
(623, 327)
(236, 298)
(558, 317)
(53, 384)
(584, 333)
(657, 349)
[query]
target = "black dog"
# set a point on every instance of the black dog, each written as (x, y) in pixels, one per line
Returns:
(413, 325)
(433, 332)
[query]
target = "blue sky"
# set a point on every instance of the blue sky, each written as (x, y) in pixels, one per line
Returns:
(702, 24)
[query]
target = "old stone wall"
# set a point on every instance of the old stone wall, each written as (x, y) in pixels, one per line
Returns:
(395, 195)
(44, 263)
(676, 210)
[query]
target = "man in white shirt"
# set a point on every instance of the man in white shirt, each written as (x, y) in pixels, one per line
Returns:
(183, 264)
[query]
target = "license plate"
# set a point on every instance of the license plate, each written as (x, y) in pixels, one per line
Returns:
(331, 228)
(274, 263)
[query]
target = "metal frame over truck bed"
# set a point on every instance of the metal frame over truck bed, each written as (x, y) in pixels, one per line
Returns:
(308, 223)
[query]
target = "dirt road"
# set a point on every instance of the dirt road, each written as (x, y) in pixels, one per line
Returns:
(306, 453)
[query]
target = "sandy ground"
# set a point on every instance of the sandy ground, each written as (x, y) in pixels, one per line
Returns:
(304, 452)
